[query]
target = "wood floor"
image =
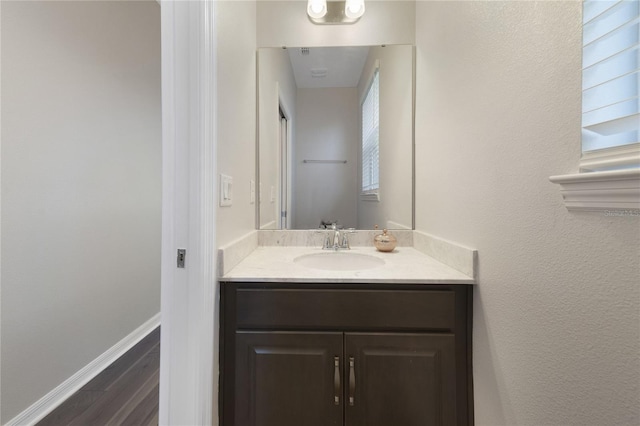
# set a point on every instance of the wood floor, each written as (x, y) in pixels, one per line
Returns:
(125, 393)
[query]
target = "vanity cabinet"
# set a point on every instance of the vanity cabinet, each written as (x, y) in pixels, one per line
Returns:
(345, 354)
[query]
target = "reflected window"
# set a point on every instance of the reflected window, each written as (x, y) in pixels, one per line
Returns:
(371, 137)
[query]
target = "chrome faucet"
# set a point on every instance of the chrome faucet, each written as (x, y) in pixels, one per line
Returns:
(336, 238)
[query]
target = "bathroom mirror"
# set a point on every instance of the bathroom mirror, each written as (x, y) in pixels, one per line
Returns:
(310, 133)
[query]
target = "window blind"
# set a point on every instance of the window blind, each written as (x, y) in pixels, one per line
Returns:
(371, 137)
(610, 74)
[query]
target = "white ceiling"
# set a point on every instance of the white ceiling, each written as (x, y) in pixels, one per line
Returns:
(341, 66)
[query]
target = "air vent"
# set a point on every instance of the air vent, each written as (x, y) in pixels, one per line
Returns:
(318, 72)
(304, 51)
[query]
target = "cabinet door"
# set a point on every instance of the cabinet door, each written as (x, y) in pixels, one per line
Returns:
(289, 379)
(400, 379)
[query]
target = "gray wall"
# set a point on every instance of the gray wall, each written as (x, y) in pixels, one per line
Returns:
(81, 186)
(235, 26)
(326, 129)
(556, 331)
(276, 84)
(236, 115)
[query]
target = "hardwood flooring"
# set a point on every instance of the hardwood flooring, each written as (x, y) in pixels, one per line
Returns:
(125, 393)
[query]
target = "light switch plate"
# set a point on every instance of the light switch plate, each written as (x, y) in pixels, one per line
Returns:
(226, 190)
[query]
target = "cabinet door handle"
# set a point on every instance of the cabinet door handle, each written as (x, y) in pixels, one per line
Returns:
(336, 380)
(352, 381)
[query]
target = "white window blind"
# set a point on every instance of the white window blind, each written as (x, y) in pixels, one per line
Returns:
(610, 74)
(609, 177)
(371, 137)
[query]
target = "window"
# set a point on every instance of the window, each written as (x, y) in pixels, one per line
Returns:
(371, 138)
(610, 80)
(610, 162)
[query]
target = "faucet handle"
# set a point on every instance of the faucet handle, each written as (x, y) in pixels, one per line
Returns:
(326, 243)
(345, 237)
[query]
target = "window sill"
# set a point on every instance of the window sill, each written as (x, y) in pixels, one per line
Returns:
(598, 191)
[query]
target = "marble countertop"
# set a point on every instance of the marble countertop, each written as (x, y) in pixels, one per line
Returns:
(405, 265)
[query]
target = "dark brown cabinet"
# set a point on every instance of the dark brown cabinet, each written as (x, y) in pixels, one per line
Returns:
(401, 379)
(287, 379)
(345, 354)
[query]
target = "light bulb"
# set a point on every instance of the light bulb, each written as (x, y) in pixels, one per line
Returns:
(354, 8)
(317, 8)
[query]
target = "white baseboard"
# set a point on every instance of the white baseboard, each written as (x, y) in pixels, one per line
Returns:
(62, 392)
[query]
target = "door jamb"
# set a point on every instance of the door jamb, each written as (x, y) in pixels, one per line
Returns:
(188, 362)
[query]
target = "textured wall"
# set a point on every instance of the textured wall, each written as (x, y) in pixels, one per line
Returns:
(81, 177)
(236, 116)
(557, 310)
(285, 23)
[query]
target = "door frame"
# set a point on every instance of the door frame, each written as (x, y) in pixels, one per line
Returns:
(188, 362)
(281, 213)
(285, 160)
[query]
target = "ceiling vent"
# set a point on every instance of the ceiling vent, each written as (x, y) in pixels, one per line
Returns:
(318, 72)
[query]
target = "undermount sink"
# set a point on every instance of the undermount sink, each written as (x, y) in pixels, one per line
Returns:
(339, 261)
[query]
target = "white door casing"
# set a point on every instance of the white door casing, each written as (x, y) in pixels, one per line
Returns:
(188, 362)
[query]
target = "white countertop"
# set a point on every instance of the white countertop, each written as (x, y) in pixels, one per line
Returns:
(405, 265)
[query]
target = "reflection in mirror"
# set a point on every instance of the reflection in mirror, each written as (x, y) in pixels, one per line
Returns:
(335, 141)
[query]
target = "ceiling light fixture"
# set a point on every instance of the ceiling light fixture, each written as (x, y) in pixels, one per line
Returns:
(317, 8)
(354, 8)
(335, 12)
